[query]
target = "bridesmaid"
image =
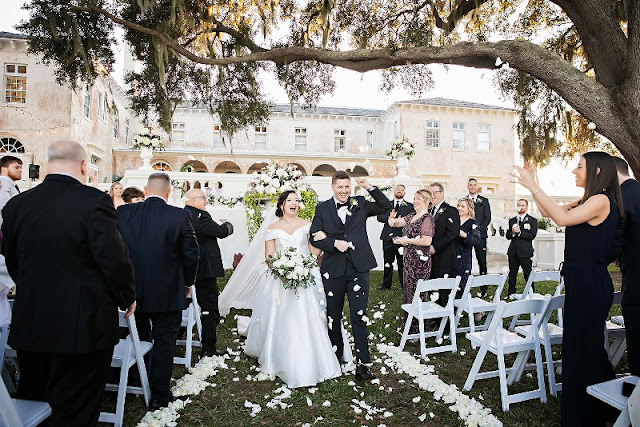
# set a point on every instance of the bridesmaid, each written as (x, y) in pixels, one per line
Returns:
(468, 238)
(416, 239)
(591, 227)
(115, 192)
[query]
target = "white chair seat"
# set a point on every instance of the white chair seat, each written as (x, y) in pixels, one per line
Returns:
(510, 341)
(430, 309)
(555, 332)
(618, 320)
(610, 392)
(474, 305)
(615, 330)
(119, 353)
(31, 412)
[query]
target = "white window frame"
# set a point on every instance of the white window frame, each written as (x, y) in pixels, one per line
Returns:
(116, 124)
(300, 139)
(339, 140)
(217, 137)
(370, 140)
(102, 106)
(178, 131)
(260, 138)
(432, 134)
(127, 130)
(458, 135)
(86, 104)
(17, 75)
(484, 143)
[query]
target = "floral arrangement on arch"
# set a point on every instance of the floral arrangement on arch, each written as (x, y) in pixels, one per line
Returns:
(276, 178)
(229, 202)
(147, 138)
(401, 147)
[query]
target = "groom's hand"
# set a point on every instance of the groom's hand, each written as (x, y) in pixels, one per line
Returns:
(341, 245)
(362, 182)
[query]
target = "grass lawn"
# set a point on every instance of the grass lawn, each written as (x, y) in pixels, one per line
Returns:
(223, 405)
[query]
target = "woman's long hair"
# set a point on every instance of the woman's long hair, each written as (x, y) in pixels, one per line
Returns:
(111, 193)
(606, 179)
(470, 205)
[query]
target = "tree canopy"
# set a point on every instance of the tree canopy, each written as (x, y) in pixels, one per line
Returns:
(571, 67)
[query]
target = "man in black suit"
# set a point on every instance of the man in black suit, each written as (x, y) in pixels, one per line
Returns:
(209, 267)
(630, 263)
(347, 260)
(164, 251)
(482, 210)
(390, 250)
(64, 251)
(523, 228)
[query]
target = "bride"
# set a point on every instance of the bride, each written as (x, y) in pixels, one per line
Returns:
(287, 332)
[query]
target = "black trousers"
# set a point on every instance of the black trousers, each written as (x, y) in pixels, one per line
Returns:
(439, 271)
(481, 256)
(390, 253)
(631, 314)
(515, 262)
(73, 384)
(164, 329)
(335, 290)
(207, 294)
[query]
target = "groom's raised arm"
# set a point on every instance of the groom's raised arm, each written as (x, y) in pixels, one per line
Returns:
(380, 205)
(317, 224)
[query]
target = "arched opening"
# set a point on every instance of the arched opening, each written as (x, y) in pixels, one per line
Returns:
(227, 167)
(323, 170)
(358, 171)
(161, 165)
(300, 168)
(257, 167)
(195, 165)
(10, 145)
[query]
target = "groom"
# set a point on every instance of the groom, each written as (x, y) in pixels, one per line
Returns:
(347, 260)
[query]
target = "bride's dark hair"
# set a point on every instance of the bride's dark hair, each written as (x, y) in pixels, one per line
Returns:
(281, 200)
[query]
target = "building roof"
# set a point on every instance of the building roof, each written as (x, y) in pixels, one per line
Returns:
(7, 35)
(448, 102)
(333, 111)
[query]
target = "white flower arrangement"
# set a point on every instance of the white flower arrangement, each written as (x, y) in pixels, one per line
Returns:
(147, 138)
(401, 147)
(229, 202)
(292, 268)
(275, 178)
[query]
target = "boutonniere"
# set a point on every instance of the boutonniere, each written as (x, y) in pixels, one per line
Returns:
(441, 210)
(478, 200)
(353, 202)
(450, 220)
(403, 203)
(527, 226)
(474, 226)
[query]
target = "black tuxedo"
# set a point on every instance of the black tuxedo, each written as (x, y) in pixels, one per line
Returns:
(164, 251)
(520, 249)
(389, 249)
(447, 230)
(65, 254)
(482, 210)
(348, 272)
(209, 267)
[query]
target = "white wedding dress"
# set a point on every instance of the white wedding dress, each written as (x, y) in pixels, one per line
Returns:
(288, 332)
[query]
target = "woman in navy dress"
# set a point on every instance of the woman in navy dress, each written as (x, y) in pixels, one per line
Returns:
(591, 226)
(465, 242)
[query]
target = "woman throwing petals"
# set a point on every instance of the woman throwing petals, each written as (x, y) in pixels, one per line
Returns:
(590, 229)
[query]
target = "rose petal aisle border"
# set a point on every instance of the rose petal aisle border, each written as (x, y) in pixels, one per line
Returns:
(469, 410)
(191, 384)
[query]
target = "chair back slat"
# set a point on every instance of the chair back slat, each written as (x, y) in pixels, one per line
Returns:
(526, 306)
(433, 285)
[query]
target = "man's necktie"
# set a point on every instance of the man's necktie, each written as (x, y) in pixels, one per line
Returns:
(397, 206)
(17, 189)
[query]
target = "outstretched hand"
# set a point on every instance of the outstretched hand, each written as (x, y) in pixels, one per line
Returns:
(362, 182)
(525, 176)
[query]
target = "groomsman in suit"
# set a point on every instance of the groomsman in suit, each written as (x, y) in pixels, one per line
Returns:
(209, 267)
(10, 172)
(391, 250)
(65, 253)
(347, 260)
(523, 228)
(164, 251)
(443, 244)
(483, 218)
(630, 263)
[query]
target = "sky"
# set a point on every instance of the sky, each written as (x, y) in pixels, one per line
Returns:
(361, 90)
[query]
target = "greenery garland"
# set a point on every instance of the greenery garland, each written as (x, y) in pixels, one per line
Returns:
(254, 205)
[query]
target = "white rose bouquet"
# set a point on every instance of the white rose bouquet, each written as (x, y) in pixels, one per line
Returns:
(276, 178)
(401, 147)
(147, 138)
(292, 268)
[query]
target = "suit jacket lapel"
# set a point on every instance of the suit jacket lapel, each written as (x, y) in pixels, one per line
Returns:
(334, 212)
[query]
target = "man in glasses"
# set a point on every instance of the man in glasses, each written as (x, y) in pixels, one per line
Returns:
(209, 267)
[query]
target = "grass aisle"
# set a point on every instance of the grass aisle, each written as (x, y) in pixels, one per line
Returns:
(392, 402)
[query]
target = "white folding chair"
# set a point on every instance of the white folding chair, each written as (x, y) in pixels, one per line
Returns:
(6, 351)
(535, 277)
(500, 341)
(617, 331)
(422, 310)
(610, 392)
(474, 304)
(18, 412)
(190, 318)
(128, 352)
(550, 334)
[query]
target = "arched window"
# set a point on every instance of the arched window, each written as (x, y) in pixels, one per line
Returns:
(11, 145)
(162, 166)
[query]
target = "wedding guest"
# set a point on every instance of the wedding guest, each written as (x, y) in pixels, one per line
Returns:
(65, 319)
(10, 172)
(390, 250)
(468, 237)
(417, 233)
(443, 245)
(591, 224)
(115, 192)
(132, 195)
(630, 263)
(482, 210)
(523, 228)
(164, 252)
(209, 267)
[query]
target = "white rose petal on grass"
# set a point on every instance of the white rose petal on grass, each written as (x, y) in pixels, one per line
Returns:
(309, 402)
(422, 417)
(351, 383)
(434, 296)
(431, 414)
(313, 390)
(416, 399)
(326, 403)
(376, 381)
(387, 414)
(439, 341)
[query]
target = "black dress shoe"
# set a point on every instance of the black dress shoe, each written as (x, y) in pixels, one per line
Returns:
(363, 374)
(156, 403)
(214, 352)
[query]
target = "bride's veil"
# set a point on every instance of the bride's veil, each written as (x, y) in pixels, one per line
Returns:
(245, 281)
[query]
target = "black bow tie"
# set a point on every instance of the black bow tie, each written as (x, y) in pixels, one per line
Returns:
(341, 205)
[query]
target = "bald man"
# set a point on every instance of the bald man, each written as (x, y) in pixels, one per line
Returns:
(209, 267)
(65, 253)
(164, 251)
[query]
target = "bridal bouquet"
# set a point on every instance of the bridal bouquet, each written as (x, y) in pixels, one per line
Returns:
(147, 138)
(292, 268)
(401, 147)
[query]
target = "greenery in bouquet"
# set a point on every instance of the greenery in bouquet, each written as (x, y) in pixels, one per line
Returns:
(147, 138)
(292, 268)
(401, 147)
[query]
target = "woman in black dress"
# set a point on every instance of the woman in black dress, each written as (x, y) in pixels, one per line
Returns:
(591, 226)
(468, 238)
